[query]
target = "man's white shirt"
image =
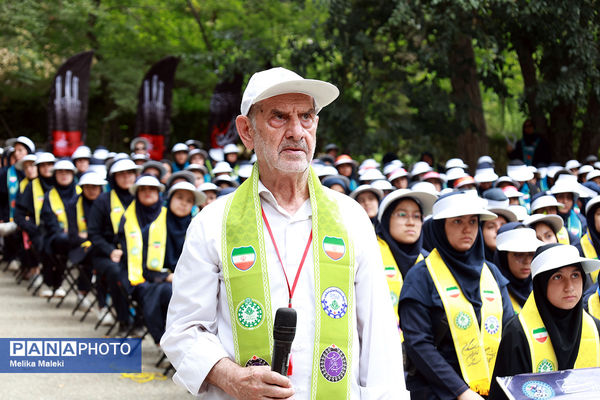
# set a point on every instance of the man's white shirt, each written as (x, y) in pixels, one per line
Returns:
(198, 331)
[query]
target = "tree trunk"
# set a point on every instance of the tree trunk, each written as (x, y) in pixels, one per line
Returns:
(528, 70)
(472, 141)
(590, 133)
(561, 132)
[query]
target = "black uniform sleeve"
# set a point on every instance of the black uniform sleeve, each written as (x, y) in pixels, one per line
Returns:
(513, 357)
(4, 206)
(25, 212)
(49, 224)
(100, 231)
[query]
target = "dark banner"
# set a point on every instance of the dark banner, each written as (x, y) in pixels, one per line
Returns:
(224, 107)
(154, 106)
(68, 105)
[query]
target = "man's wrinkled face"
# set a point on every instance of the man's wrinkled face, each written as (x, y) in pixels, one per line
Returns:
(284, 132)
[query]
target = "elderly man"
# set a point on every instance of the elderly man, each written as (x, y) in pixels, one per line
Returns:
(244, 256)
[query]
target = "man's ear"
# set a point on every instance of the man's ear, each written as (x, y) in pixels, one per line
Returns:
(244, 128)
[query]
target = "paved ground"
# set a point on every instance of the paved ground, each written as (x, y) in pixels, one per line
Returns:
(22, 315)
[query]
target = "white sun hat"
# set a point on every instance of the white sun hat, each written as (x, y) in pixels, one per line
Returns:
(485, 159)
(371, 174)
(81, 152)
(327, 170)
(208, 186)
(91, 178)
(64, 165)
(591, 203)
(180, 147)
(561, 255)
(455, 163)
(545, 201)
(485, 175)
(366, 188)
(45, 157)
(25, 141)
(397, 173)
(459, 204)
(124, 164)
(426, 187)
(146, 180)
(519, 173)
(424, 199)
(553, 221)
(585, 169)
(455, 173)
(592, 174)
(392, 166)
(28, 157)
(382, 185)
(246, 170)
(512, 192)
(276, 81)
(519, 211)
(419, 168)
(223, 167)
(199, 197)
(520, 240)
(572, 164)
(230, 148)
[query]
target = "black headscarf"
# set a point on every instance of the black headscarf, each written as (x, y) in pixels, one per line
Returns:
(520, 288)
(47, 183)
(465, 266)
(591, 225)
(427, 234)
(404, 254)
(147, 214)
(68, 195)
(123, 194)
(563, 326)
(176, 229)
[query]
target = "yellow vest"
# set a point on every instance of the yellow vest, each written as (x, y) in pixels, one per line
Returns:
(58, 208)
(594, 305)
(157, 243)
(589, 252)
(116, 211)
(543, 358)
(38, 198)
(476, 347)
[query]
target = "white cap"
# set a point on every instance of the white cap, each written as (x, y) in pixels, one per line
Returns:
(591, 204)
(512, 192)
(368, 164)
(91, 178)
(455, 163)
(139, 156)
(276, 81)
(382, 185)
(553, 221)
(568, 184)
(101, 154)
(180, 147)
(225, 178)
(45, 157)
(485, 175)
(245, 170)
(146, 180)
(545, 201)
(28, 157)
(592, 174)
(64, 165)
(135, 140)
(208, 186)
(326, 170)
(585, 169)
(519, 173)
(420, 167)
(392, 166)
(366, 188)
(459, 204)
(485, 159)
(216, 154)
(424, 199)
(124, 164)
(519, 211)
(199, 197)
(519, 240)
(371, 174)
(572, 164)
(197, 167)
(505, 212)
(99, 169)
(25, 141)
(397, 173)
(224, 167)
(561, 255)
(426, 187)
(81, 152)
(230, 148)
(455, 173)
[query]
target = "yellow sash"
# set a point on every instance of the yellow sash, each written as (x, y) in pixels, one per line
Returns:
(543, 358)
(58, 207)
(38, 198)
(563, 236)
(23, 184)
(116, 211)
(157, 243)
(594, 305)
(589, 252)
(476, 348)
(515, 303)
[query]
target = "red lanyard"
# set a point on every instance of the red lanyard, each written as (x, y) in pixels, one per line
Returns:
(293, 288)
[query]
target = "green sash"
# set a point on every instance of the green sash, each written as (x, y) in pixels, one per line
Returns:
(249, 296)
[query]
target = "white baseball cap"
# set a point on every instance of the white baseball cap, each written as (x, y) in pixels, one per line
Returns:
(276, 81)
(199, 197)
(560, 255)
(25, 141)
(424, 199)
(28, 157)
(64, 165)
(45, 157)
(519, 240)
(461, 203)
(124, 164)
(146, 180)
(91, 178)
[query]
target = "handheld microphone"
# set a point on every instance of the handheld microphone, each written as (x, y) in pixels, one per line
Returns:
(284, 330)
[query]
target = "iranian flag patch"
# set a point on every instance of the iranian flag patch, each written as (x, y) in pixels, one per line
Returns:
(243, 258)
(489, 295)
(334, 247)
(540, 334)
(452, 291)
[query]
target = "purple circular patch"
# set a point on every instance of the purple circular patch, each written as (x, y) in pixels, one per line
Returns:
(333, 364)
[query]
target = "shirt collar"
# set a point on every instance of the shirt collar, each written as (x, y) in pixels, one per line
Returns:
(303, 213)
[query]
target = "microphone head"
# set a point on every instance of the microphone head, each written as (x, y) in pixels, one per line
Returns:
(284, 328)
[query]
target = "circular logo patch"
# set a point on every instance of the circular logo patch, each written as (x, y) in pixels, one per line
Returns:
(333, 364)
(249, 313)
(462, 320)
(135, 251)
(537, 390)
(394, 297)
(154, 262)
(491, 325)
(334, 302)
(256, 361)
(545, 366)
